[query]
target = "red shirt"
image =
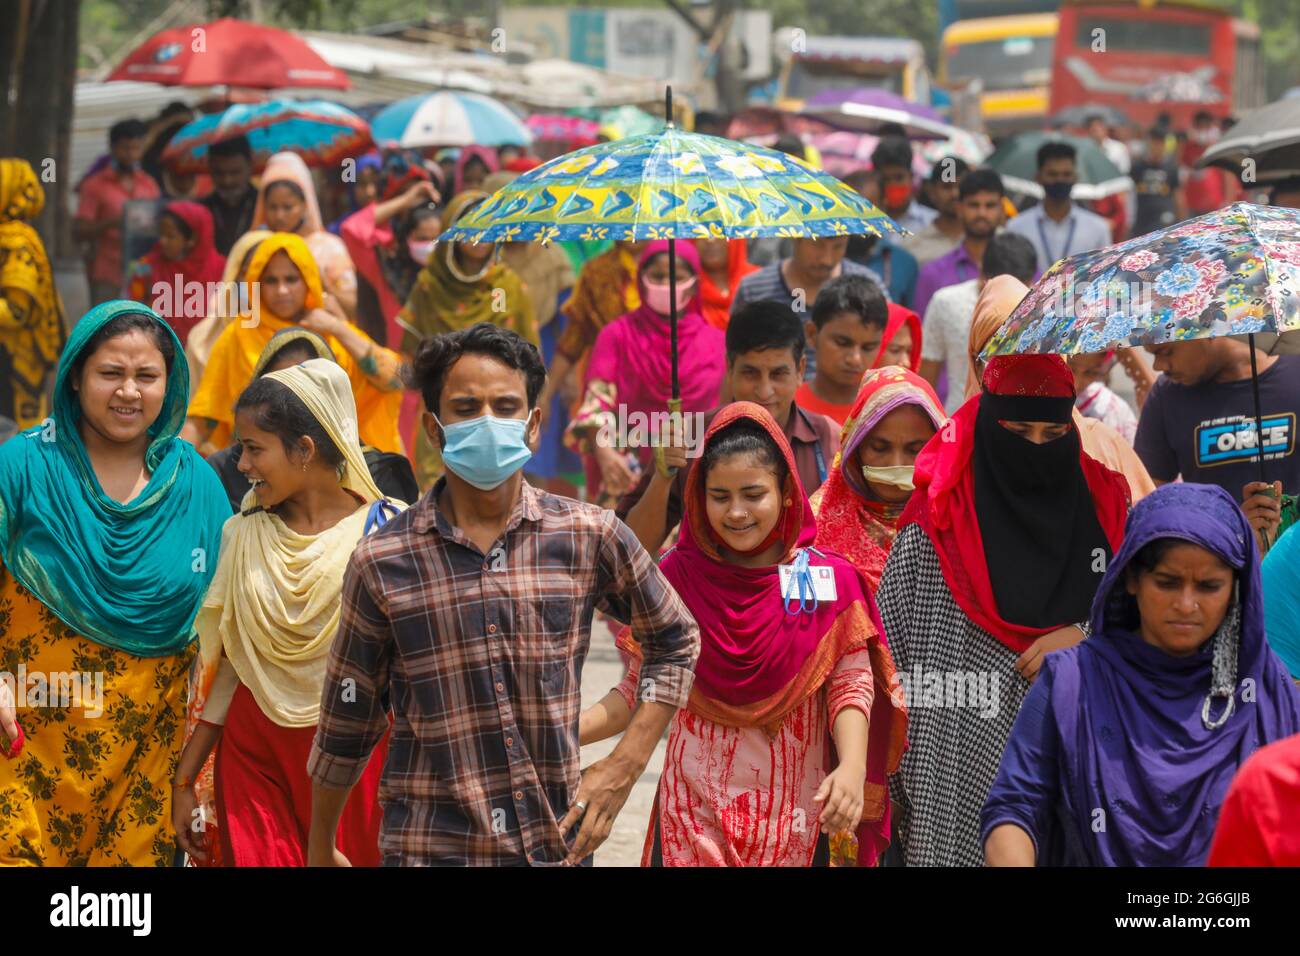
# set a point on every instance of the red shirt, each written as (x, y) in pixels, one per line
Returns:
(807, 399)
(102, 197)
(1259, 824)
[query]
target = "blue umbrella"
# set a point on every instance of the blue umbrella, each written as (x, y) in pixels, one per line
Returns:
(322, 133)
(448, 118)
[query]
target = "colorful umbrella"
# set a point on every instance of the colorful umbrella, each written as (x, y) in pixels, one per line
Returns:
(1016, 161)
(322, 133)
(671, 185)
(566, 129)
(867, 110)
(448, 118)
(229, 52)
(1235, 271)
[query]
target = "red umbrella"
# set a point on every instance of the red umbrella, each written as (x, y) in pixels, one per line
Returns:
(229, 52)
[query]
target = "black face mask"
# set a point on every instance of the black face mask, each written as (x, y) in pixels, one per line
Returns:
(1058, 191)
(1036, 516)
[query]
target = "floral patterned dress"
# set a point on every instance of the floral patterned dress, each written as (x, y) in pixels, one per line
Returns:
(92, 784)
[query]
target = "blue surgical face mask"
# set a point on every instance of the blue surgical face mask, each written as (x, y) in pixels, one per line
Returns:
(485, 451)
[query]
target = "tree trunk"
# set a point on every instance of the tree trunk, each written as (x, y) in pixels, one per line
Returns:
(37, 80)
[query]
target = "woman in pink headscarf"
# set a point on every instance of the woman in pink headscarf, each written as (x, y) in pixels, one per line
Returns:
(630, 371)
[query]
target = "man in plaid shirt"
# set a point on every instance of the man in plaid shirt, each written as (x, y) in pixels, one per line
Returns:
(471, 613)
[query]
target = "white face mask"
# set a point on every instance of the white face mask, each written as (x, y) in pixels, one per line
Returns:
(900, 476)
(420, 250)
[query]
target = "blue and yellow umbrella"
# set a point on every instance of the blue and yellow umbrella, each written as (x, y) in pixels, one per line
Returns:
(670, 184)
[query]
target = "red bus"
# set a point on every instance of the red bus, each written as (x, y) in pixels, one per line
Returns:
(1150, 57)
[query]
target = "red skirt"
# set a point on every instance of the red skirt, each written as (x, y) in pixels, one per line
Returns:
(263, 793)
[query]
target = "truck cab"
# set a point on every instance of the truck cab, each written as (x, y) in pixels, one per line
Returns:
(811, 65)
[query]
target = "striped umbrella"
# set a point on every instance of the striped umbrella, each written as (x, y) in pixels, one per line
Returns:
(322, 133)
(448, 118)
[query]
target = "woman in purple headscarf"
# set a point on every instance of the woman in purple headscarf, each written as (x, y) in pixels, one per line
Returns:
(1124, 749)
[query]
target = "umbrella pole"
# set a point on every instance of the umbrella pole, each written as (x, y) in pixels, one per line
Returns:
(672, 269)
(1254, 386)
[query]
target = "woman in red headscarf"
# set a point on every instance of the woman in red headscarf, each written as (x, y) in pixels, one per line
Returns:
(1000, 553)
(629, 376)
(185, 253)
(859, 506)
(780, 758)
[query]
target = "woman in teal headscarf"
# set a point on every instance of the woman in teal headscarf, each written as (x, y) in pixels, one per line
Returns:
(109, 530)
(1281, 576)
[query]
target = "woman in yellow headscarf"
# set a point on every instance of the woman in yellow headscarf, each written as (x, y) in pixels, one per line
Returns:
(999, 297)
(268, 620)
(284, 274)
(32, 331)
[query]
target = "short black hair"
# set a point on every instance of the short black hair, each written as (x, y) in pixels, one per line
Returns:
(235, 146)
(126, 129)
(892, 151)
(765, 324)
(438, 353)
(851, 293)
(1202, 116)
(1010, 254)
(1157, 132)
(982, 180)
(1056, 149)
(710, 118)
(791, 145)
(1094, 118)
(129, 322)
(276, 409)
(860, 177)
(958, 165)
(745, 437)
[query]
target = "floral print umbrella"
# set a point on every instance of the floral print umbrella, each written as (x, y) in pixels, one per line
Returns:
(1230, 272)
(1235, 271)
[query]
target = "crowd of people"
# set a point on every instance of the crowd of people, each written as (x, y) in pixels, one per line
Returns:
(331, 546)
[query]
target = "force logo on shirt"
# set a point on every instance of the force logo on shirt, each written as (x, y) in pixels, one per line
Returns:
(1225, 441)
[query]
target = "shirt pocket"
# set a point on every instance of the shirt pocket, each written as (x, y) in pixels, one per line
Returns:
(548, 626)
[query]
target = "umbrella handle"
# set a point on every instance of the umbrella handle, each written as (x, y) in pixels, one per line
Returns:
(661, 466)
(1259, 416)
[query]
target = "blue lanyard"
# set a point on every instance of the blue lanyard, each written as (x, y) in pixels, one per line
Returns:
(821, 462)
(1069, 238)
(378, 515)
(802, 576)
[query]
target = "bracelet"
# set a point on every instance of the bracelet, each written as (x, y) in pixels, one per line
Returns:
(182, 783)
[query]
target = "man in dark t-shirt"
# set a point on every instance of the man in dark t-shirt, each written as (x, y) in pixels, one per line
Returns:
(1199, 420)
(1157, 182)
